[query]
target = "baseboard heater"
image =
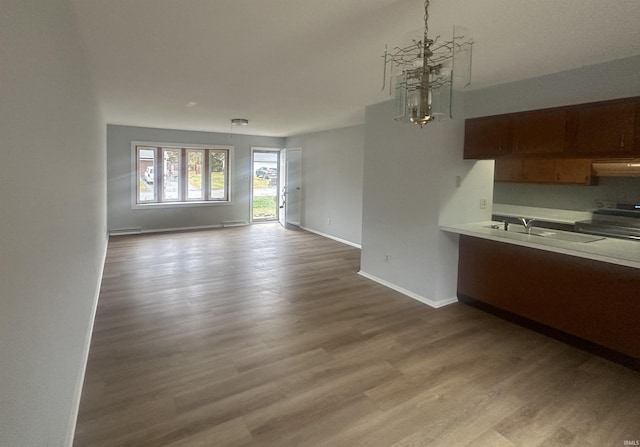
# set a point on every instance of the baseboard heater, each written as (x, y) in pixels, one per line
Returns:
(234, 223)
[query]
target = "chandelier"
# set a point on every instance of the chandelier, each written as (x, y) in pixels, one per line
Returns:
(422, 74)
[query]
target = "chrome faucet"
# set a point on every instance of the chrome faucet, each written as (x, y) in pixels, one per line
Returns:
(528, 223)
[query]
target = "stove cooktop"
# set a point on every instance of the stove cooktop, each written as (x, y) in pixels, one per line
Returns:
(622, 221)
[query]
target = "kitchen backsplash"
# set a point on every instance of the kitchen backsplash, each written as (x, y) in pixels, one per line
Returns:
(568, 197)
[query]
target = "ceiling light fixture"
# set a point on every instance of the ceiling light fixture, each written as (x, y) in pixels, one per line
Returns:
(239, 121)
(424, 74)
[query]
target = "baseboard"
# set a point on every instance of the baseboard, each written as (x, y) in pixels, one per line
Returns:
(328, 236)
(410, 294)
(71, 429)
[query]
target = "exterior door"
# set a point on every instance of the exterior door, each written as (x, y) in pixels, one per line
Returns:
(282, 192)
(293, 185)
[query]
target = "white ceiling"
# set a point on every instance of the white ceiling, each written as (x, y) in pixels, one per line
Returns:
(298, 66)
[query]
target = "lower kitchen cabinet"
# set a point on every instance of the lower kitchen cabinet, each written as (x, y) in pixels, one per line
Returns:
(590, 301)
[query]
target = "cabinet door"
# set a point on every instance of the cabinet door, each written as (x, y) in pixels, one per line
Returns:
(486, 137)
(573, 171)
(508, 170)
(539, 170)
(605, 128)
(539, 132)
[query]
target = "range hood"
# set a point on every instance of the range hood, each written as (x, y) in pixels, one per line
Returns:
(617, 168)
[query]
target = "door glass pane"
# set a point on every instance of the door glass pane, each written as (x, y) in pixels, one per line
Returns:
(218, 167)
(265, 185)
(146, 183)
(171, 174)
(195, 189)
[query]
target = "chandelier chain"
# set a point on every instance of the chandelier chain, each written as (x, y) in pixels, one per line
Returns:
(426, 18)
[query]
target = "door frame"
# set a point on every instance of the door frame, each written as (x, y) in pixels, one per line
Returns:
(252, 169)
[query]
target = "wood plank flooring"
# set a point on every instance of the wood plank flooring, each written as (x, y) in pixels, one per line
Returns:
(261, 336)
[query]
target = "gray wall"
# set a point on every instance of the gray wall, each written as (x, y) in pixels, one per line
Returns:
(409, 190)
(616, 79)
(52, 220)
(332, 169)
(119, 184)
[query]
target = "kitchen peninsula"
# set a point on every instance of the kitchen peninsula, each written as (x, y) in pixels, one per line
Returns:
(586, 293)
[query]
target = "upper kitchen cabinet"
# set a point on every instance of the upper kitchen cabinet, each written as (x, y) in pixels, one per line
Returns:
(566, 171)
(539, 132)
(486, 137)
(508, 170)
(605, 129)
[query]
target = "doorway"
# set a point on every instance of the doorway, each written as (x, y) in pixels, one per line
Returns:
(265, 168)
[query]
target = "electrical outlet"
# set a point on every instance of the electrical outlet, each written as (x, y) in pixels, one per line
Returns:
(328, 221)
(387, 257)
(483, 204)
(458, 181)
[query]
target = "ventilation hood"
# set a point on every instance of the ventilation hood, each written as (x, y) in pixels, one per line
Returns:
(617, 168)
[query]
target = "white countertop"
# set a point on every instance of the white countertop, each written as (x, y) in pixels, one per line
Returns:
(546, 214)
(614, 251)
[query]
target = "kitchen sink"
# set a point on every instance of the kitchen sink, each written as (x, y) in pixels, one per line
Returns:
(548, 234)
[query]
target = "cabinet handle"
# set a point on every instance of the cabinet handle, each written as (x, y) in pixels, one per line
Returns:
(622, 141)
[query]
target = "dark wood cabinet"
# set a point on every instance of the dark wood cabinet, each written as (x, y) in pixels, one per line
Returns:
(595, 301)
(575, 171)
(538, 171)
(608, 129)
(508, 170)
(486, 137)
(539, 132)
(605, 128)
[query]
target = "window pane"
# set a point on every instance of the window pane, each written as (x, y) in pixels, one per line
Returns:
(218, 168)
(171, 174)
(195, 190)
(146, 176)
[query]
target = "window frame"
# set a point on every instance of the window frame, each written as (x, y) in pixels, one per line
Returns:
(183, 201)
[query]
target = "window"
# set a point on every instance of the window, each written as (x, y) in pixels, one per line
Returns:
(171, 174)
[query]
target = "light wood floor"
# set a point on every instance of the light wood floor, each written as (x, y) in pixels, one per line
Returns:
(261, 336)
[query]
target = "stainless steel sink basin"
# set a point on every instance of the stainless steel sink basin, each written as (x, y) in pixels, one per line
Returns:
(548, 234)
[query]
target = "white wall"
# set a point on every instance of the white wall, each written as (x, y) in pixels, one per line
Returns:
(600, 82)
(409, 190)
(332, 170)
(122, 216)
(52, 220)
